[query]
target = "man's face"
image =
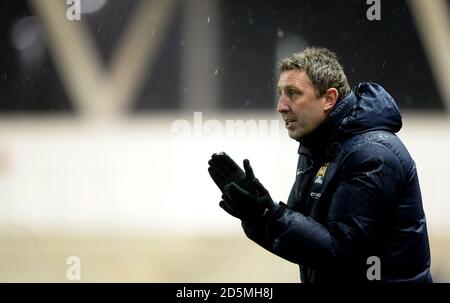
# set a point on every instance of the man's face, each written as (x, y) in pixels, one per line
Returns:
(301, 109)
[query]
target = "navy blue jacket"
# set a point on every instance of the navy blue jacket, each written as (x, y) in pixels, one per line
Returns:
(356, 195)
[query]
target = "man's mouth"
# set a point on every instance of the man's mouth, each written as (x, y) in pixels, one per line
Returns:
(287, 121)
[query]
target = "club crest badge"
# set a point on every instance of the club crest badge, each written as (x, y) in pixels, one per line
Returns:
(321, 174)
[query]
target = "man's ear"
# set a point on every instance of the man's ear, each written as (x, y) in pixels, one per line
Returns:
(331, 97)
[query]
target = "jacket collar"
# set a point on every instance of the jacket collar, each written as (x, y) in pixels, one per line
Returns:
(316, 142)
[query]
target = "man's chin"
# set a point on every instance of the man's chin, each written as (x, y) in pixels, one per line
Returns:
(295, 135)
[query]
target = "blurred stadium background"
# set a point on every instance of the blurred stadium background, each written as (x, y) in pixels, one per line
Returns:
(107, 124)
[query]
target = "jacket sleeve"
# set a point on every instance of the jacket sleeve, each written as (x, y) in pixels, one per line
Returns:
(367, 187)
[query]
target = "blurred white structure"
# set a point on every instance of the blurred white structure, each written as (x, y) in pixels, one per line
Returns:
(142, 175)
(134, 199)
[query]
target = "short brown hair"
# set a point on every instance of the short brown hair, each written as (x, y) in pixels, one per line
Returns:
(322, 67)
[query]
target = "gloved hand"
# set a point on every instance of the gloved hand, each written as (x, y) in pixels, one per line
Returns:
(223, 170)
(247, 206)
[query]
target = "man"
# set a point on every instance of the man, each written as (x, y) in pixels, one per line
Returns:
(356, 199)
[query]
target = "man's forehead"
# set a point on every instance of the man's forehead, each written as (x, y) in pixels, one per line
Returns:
(293, 77)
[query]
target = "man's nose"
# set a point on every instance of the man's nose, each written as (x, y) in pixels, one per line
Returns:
(282, 105)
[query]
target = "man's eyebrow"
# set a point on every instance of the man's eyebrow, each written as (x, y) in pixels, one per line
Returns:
(288, 86)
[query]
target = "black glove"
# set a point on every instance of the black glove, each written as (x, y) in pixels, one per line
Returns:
(247, 206)
(223, 170)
